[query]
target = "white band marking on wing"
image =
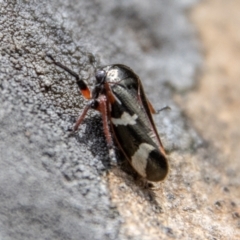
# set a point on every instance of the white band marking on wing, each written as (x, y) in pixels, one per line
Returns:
(125, 119)
(140, 158)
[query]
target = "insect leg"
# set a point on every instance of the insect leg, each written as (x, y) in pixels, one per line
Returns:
(82, 116)
(153, 111)
(103, 108)
(161, 109)
(81, 84)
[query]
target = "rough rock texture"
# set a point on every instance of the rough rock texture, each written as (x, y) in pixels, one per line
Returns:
(56, 186)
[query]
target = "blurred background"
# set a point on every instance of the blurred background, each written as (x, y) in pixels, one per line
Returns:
(187, 55)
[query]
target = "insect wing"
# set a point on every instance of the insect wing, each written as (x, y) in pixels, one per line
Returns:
(133, 126)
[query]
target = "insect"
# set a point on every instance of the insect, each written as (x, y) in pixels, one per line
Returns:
(127, 118)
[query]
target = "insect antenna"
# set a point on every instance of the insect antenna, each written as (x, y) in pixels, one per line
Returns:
(81, 84)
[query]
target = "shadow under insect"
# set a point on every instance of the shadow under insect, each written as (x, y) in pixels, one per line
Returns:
(93, 137)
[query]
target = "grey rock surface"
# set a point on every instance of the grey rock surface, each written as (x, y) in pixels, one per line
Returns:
(53, 186)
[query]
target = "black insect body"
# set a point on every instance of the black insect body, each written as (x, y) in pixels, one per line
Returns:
(127, 118)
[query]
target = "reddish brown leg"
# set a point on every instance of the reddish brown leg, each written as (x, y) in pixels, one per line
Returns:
(103, 108)
(81, 117)
(152, 110)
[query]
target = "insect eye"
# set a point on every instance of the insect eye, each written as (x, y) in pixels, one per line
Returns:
(100, 76)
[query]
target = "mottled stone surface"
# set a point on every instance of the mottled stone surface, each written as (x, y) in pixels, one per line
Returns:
(56, 186)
